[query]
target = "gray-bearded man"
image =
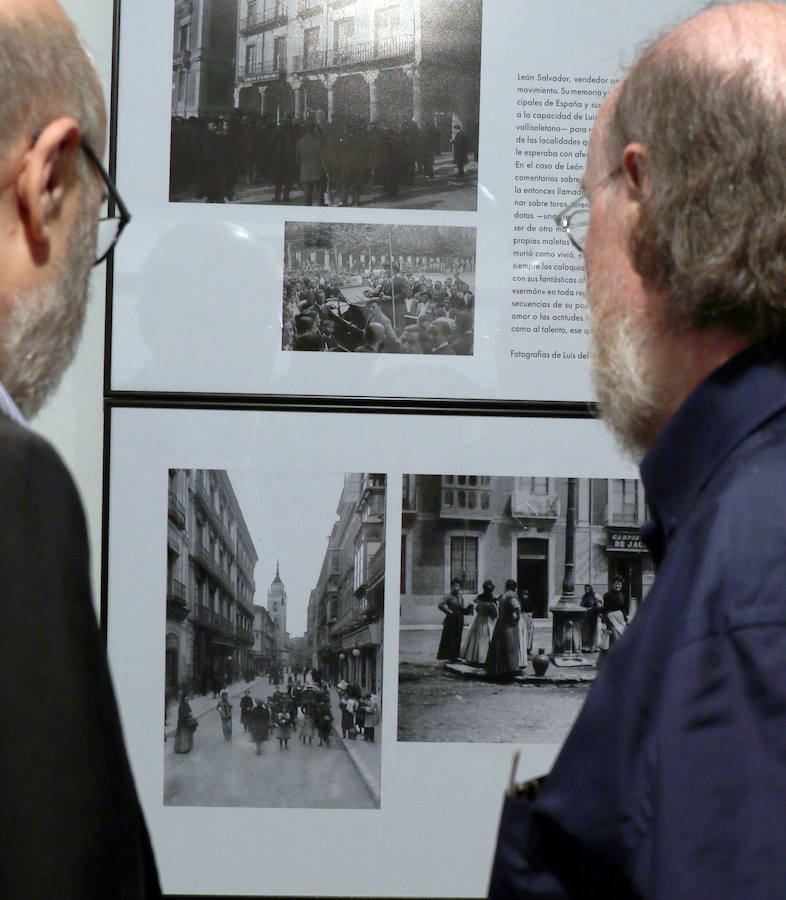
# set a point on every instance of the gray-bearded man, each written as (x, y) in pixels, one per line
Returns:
(672, 783)
(71, 825)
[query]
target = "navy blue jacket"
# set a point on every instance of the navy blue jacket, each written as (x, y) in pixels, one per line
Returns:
(672, 782)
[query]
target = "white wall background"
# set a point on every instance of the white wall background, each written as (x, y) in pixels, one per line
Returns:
(73, 418)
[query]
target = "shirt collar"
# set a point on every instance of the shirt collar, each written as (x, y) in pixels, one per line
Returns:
(727, 406)
(8, 408)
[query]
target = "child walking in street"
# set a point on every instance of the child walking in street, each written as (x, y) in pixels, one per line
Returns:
(224, 708)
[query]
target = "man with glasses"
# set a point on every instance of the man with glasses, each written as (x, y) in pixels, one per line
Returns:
(71, 825)
(672, 783)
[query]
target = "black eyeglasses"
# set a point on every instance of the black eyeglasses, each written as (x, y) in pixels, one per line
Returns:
(574, 219)
(110, 227)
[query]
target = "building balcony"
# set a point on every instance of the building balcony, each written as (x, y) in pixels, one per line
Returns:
(309, 7)
(204, 500)
(176, 602)
(203, 615)
(181, 59)
(357, 54)
(177, 512)
(261, 72)
(624, 517)
(244, 635)
(203, 558)
(465, 503)
(372, 486)
(376, 566)
(525, 505)
(263, 18)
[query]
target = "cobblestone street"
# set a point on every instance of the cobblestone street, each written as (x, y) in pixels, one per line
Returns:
(436, 705)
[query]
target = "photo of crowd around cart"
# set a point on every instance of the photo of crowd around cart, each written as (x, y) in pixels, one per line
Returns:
(379, 289)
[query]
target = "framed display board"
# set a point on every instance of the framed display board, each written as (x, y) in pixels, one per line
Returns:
(347, 378)
(393, 102)
(416, 810)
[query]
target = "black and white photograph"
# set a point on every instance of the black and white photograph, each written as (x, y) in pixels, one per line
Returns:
(513, 589)
(362, 288)
(274, 615)
(326, 102)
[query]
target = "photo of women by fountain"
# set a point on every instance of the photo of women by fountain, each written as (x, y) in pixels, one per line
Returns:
(512, 588)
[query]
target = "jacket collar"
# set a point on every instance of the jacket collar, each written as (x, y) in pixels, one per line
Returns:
(726, 407)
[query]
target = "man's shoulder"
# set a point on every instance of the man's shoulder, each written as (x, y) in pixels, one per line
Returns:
(33, 477)
(23, 450)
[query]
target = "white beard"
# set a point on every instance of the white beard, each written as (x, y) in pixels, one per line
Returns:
(624, 368)
(42, 329)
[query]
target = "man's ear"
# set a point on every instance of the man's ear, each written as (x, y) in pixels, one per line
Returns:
(48, 171)
(634, 168)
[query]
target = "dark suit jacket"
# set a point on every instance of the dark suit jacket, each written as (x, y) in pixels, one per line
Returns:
(71, 825)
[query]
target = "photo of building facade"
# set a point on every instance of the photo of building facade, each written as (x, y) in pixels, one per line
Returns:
(210, 613)
(475, 527)
(413, 60)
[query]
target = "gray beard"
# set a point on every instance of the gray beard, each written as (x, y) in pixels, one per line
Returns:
(623, 373)
(43, 326)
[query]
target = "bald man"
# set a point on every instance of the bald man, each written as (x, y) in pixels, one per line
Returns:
(672, 783)
(71, 825)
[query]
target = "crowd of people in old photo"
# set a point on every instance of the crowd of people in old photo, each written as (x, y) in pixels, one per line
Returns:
(302, 712)
(330, 163)
(398, 312)
(500, 638)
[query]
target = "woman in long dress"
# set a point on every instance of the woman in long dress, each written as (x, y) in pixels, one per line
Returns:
(186, 726)
(453, 623)
(476, 644)
(504, 656)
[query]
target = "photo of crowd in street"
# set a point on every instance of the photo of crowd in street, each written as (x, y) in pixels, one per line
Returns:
(351, 287)
(513, 589)
(274, 700)
(358, 102)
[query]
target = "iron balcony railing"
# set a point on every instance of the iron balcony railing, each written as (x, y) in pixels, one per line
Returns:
(203, 615)
(525, 505)
(176, 603)
(398, 45)
(264, 15)
(176, 591)
(309, 7)
(177, 512)
(627, 517)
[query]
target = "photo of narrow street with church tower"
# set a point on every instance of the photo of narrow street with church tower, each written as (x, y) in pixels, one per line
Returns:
(273, 696)
(513, 588)
(328, 102)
